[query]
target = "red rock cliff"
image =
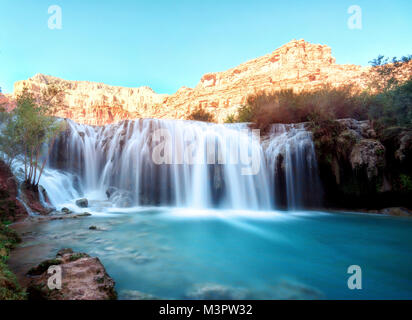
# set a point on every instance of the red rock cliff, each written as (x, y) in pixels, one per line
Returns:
(298, 65)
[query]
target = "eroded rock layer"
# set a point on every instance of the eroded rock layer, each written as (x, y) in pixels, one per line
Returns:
(298, 65)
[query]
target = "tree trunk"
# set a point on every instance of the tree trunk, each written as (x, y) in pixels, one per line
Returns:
(37, 160)
(45, 160)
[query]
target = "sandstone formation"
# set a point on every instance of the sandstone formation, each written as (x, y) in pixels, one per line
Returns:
(83, 278)
(297, 65)
(7, 101)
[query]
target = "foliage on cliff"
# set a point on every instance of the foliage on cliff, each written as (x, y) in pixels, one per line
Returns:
(361, 163)
(9, 287)
(200, 114)
(286, 106)
(386, 102)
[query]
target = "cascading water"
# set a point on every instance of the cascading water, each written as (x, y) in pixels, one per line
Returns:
(201, 165)
(291, 159)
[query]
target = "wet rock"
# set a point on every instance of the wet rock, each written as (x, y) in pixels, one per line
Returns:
(110, 191)
(83, 278)
(82, 203)
(30, 195)
(84, 214)
(43, 267)
(397, 211)
(93, 228)
(46, 197)
(66, 210)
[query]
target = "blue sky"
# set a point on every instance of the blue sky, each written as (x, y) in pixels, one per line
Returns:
(169, 44)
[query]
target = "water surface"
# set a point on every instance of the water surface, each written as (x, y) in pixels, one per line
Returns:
(187, 254)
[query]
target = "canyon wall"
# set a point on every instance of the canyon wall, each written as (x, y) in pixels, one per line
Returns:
(298, 65)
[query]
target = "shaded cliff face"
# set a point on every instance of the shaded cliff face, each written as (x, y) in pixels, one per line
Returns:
(361, 168)
(298, 65)
(11, 209)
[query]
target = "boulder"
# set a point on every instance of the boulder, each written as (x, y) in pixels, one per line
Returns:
(66, 210)
(82, 203)
(83, 278)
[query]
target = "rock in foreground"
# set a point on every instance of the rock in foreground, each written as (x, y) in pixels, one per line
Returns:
(82, 203)
(82, 278)
(397, 211)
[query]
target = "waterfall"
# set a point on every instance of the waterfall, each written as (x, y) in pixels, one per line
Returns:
(292, 163)
(199, 165)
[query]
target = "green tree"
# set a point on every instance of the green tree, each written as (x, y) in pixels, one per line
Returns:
(26, 131)
(9, 144)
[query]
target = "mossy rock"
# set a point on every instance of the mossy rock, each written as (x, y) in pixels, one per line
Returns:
(43, 267)
(78, 256)
(64, 251)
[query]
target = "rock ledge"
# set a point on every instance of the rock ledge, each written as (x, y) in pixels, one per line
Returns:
(82, 278)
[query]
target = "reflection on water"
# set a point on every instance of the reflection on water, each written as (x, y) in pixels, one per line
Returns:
(172, 254)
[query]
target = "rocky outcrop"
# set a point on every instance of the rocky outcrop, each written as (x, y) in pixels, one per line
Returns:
(83, 278)
(30, 195)
(362, 168)
(11, 209)
(297, 65)
(368, 154)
